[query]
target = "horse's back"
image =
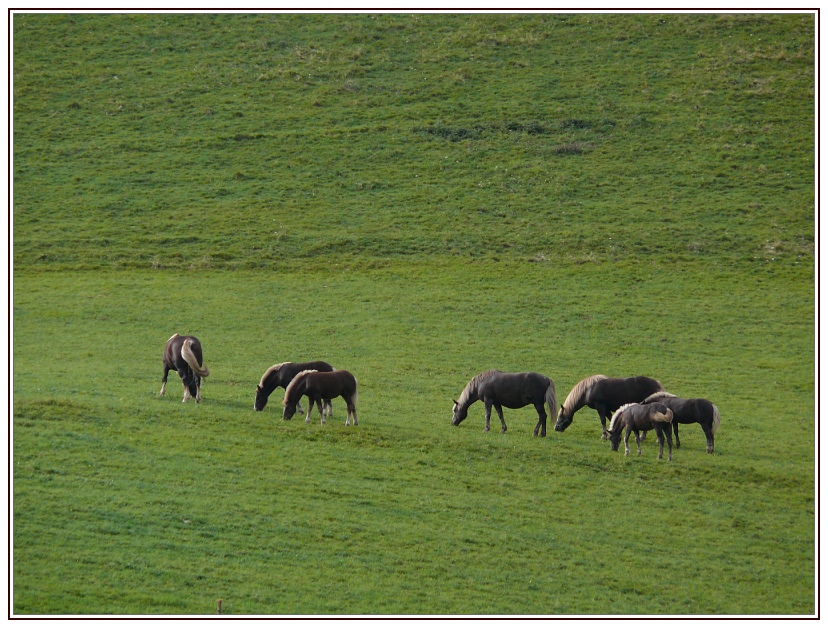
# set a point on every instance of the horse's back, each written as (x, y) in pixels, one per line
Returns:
(695, 410)
(515, 390)
(622, 390)
(172, 350)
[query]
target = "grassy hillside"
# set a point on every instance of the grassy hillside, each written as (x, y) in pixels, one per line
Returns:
(253, 140)
(416, 198)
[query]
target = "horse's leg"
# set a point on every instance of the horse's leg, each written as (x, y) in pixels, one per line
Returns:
(708, 432)
(669, 443)
(488, 403)
(637, 439)
(185, 376)
(541, 419)
(627, 441)
(164, 380)
(675, 429)
(660, 435)
(310, 407)
(299, 406)
(198, 388)
(352, 410)
(499, 409)
(321, 411)
(328, 408)
(603, 415)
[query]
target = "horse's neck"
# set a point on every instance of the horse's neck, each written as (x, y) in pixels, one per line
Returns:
(468, 397)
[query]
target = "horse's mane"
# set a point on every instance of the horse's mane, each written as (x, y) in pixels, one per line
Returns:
(617, 414)
(471, 387)
(661, 394)
(577, 394)
(268, 372)
(295, 382)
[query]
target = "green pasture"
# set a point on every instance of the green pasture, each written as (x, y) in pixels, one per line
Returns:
(417, 199)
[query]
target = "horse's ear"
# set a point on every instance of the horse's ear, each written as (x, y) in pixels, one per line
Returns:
(455, 401)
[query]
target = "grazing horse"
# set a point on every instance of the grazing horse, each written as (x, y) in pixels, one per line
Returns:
(687, 411)
(183, 354)
(637, 418)
(605, 395)
(317, 387)
(281, 375)
(513, 390)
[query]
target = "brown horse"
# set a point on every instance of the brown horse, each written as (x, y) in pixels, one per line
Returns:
(183, 354)
(318, 387)
(637, 418)
(606, 395)
(513, 390)
(280, 375)
(686, 411)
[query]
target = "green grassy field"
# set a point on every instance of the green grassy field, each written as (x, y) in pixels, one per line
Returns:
(416, 198)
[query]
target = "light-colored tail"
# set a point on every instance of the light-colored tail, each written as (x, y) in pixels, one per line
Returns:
(717, 420)
(663, 418)
(189, 358)
(355, 396)
(552, 400)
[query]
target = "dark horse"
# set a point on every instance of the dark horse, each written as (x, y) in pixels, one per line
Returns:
(606, 395)
(183, 354)
(281, 375)
(317, 387)
(513, 390)
(687, 411)
(640, 418)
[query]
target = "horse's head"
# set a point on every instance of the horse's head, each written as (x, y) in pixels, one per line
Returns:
(290, 410)
(261, 399)
(564, 419)
(192, 386)
(458, 414)
(615, 439)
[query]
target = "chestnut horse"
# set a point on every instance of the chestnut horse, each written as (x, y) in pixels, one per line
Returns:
(280, 375)
(640, 418)
(513, 390)
(183, 354)
(318, 387)
(606, 395)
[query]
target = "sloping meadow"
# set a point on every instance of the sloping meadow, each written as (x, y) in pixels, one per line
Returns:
(417, 199)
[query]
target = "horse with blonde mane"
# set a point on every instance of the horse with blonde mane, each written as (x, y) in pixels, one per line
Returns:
(280, 375)
(638, 418)
(318, 387)
(605, 395)
(183, 354)
(513, 390)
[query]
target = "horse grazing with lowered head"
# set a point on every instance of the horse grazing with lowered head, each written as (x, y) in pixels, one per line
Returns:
(318, 387)
(638, 418)
(183, 354)
(687, 411)
(280, 375)
(605, 395)
(513, 390)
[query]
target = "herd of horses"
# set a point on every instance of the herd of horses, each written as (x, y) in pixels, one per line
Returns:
(631, 405)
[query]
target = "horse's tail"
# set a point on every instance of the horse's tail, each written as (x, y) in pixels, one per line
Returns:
(294, 383)
(190, 358)
(355, 396)
(657, 396)
(663, 417)
(552, 399)
(717, 420)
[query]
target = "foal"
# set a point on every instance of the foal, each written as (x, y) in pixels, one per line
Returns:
(636, 418)
(319, 387)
